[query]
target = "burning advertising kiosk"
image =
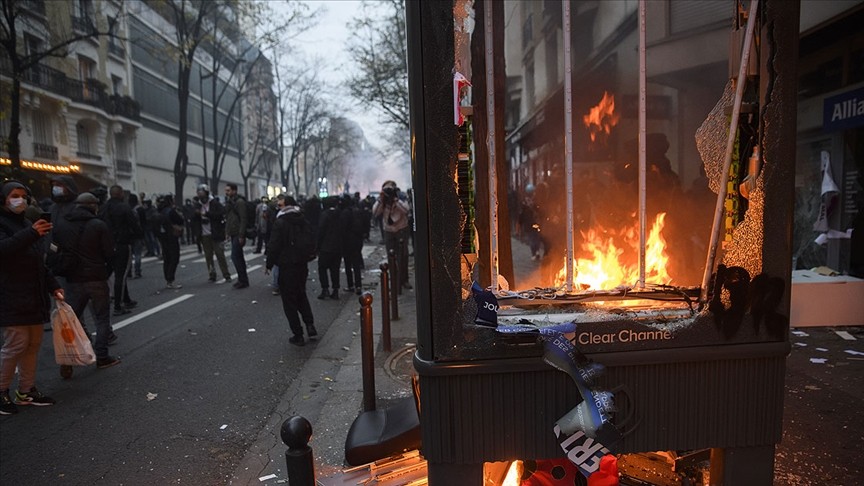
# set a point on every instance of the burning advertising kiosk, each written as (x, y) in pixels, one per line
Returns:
(603, 266)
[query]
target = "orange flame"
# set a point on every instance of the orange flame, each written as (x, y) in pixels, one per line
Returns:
(601, 118)
(612, 258)
(514, 474)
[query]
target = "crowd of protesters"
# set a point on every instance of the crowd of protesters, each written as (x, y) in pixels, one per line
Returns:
(109, 230)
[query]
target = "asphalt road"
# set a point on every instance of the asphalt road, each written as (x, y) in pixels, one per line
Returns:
(200, 376)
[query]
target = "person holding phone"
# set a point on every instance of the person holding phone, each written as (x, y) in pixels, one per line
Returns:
(26, 287)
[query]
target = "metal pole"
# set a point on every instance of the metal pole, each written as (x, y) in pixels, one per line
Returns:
(488, 42)
(394, 278)
(643, 142)
(296, 432)
(568, 142)
(385, 307)
(367, 352)
(730, 145)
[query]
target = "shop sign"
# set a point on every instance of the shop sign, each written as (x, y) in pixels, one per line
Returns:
(843, 111)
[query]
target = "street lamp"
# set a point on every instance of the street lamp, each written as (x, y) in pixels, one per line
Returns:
(322, 187)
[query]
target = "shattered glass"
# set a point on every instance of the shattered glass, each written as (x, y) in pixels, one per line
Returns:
(688, 105)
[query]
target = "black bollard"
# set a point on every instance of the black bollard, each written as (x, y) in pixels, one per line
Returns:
(385, 308)
(367, 352)
(395, 288)
(296, 432)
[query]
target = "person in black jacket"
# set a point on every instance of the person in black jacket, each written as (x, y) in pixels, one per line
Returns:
(91, 241)
(329, 248)
(210, 217)
(25, 289)
(170, 230)
(125, 229)
(354, 228)
(293, 269)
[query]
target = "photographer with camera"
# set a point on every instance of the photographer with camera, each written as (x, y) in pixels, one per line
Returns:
(394, 215)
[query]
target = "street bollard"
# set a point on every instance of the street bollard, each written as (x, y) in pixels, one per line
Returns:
(296, 432)
(395, 277)
(367, 352)
(395, 288)
(385, 308)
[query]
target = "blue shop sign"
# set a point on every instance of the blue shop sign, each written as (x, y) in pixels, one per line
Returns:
(843, 111)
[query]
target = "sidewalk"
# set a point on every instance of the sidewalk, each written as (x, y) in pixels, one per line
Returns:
(328, 390)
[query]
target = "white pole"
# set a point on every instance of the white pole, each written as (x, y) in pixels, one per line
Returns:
(490, 142)
(568, 143)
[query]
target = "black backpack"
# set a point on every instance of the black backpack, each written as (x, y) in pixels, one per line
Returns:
(251, 232)
(359, 222)
(62, 260)
(301, 242)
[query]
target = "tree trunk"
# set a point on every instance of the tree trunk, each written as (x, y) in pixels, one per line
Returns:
(181, 161)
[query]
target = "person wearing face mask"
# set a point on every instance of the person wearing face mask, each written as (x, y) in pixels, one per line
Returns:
(26, 287)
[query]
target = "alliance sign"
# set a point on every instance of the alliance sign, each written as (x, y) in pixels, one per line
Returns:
(843, 111)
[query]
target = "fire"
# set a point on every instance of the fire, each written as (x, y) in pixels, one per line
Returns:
(612, 258)
(601, 118)
(514, 474)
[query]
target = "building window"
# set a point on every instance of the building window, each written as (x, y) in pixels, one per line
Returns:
(32, 44)
(86, 68)
(551, 62)
(42, 129)
(117, 85)
(84, 9)
(529, 86)
(83, 140)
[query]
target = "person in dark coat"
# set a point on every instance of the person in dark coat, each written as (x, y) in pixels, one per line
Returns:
(170, 230)
(329, 248)
(293, 269)
(125, 229)
(354, 228)
(210, 217)
(26, 286)
(90, 239)
(312, 210)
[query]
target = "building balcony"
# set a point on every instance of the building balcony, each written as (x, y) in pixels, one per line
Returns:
(126, 107)
(123, 166)
(85, 155)
(116, 49)
(45, 151)
(91, 92)
(34, 6)
(83, 25)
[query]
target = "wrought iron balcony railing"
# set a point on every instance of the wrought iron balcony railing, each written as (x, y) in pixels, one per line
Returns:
(86, 155)
(83, 25)
(126, 107)
(123, 166)
(44, 151)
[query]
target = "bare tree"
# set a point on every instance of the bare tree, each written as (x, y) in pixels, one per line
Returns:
(301, 107)
(241, 57)
(191, 29)
(378, 48)
(19, 62)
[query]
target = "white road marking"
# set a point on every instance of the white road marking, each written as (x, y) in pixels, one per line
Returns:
(253, 268)
(845, 335)
(150, 312)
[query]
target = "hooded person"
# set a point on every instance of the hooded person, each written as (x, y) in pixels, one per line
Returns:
(26, 287)
(64, 190)
(283, 251)
(91, 240)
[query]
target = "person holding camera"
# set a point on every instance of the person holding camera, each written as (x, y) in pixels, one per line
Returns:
(394, 216)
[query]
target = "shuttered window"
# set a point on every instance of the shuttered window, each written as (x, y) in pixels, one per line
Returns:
(687, 15)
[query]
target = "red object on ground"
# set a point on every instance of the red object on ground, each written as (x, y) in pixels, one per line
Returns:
(607, 475)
